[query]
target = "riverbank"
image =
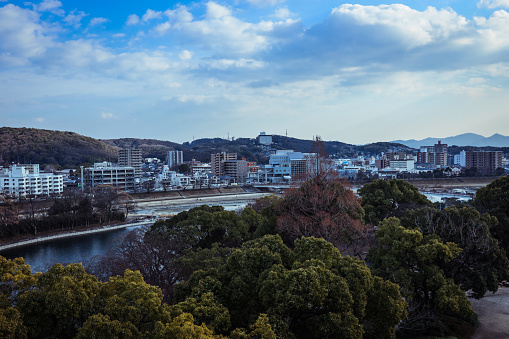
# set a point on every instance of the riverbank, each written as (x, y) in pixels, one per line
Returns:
(72, 233)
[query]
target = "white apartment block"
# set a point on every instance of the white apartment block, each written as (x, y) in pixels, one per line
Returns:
(24, 180)
(175, 158)
(103, 173)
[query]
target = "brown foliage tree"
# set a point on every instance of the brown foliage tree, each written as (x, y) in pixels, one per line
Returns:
(324, 208)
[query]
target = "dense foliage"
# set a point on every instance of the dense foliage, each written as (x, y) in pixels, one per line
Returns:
(494, 199)
(481, 265)
(383, 199)
(414, 261)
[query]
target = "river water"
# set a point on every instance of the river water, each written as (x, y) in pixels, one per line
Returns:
(81, 248)
(42, 255)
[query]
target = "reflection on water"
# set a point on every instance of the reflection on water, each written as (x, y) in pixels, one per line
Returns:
(41, 256)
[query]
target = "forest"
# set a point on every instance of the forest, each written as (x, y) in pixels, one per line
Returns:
(318, 262)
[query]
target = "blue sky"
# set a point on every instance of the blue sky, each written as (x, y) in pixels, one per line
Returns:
(354, 72)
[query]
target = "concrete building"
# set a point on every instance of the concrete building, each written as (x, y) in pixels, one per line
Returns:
(24, 180)
(217, 158)
(128, 157)
(436, 155)
(407, 165)
(264, 139)
(104, 173)
(175, 158)
(290, 165)
(461, 159)
(486, 162)
(236, 169)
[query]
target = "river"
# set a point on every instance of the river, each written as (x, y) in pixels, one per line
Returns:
(80, 248)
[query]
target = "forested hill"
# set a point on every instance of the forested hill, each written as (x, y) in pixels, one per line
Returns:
(46, 147)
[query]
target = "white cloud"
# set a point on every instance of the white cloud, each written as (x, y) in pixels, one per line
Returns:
(132, 19)
(185, 55)
(219, 31)
(98, 21)
(74, 18)
(39, 120)
(401, 23)
(52, 6)
(108, 115)
(476, 81)
(118, 35)
(21, 35)
(494, 31)
(283, 13)
(162, 28)
(150, 15)
(493, 3)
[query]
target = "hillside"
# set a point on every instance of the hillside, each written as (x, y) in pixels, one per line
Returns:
(46, 147)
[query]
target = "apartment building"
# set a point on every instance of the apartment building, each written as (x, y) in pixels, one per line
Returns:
(486, 162)
(175, 158)
(131, 157)
(436, 154)
(104, 173)
(23, 180)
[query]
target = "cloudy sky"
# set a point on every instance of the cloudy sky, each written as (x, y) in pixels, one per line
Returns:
(354, 72)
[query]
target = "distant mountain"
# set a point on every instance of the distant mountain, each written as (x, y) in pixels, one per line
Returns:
(467, 139)
(46, 147)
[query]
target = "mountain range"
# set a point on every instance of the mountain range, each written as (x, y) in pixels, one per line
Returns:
(466, 139)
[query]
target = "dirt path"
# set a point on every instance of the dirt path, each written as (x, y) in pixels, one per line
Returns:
(493, 312)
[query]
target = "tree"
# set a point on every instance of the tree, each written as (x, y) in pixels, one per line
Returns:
(413, 261)
(383, 199)
(323, 208)
(481, 265)
(494, 199)
(310, 292)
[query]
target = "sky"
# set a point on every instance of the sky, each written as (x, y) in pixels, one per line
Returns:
(356, 72)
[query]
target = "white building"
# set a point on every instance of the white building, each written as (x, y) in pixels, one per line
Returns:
(461, 159)
(264, 139)
(174, 179)
(23, 180)
(403, 165)
(103, 173)
(175, 158)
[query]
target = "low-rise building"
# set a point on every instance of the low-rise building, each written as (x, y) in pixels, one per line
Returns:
(104, 173)
(24, 180)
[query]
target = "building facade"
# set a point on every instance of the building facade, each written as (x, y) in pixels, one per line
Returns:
(486, 162)
(128, 157)
(104, 173)
(27, 180)
(175, 158)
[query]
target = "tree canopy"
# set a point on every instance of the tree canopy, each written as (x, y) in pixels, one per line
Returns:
(383, 199)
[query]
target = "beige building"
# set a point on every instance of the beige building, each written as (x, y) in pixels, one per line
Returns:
(128, 157)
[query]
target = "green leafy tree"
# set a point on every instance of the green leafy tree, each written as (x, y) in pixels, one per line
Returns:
(310, 292)
(60, 302)
(494, 199)
(481, 265)
(383, 199)
(414, 261)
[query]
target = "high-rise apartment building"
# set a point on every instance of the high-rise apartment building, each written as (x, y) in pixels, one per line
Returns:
(175, 158)
(486, 162)
(436, 155)
(131, 157)
(217, 158)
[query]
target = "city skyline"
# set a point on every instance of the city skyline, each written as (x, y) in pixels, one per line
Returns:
(356, 73)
